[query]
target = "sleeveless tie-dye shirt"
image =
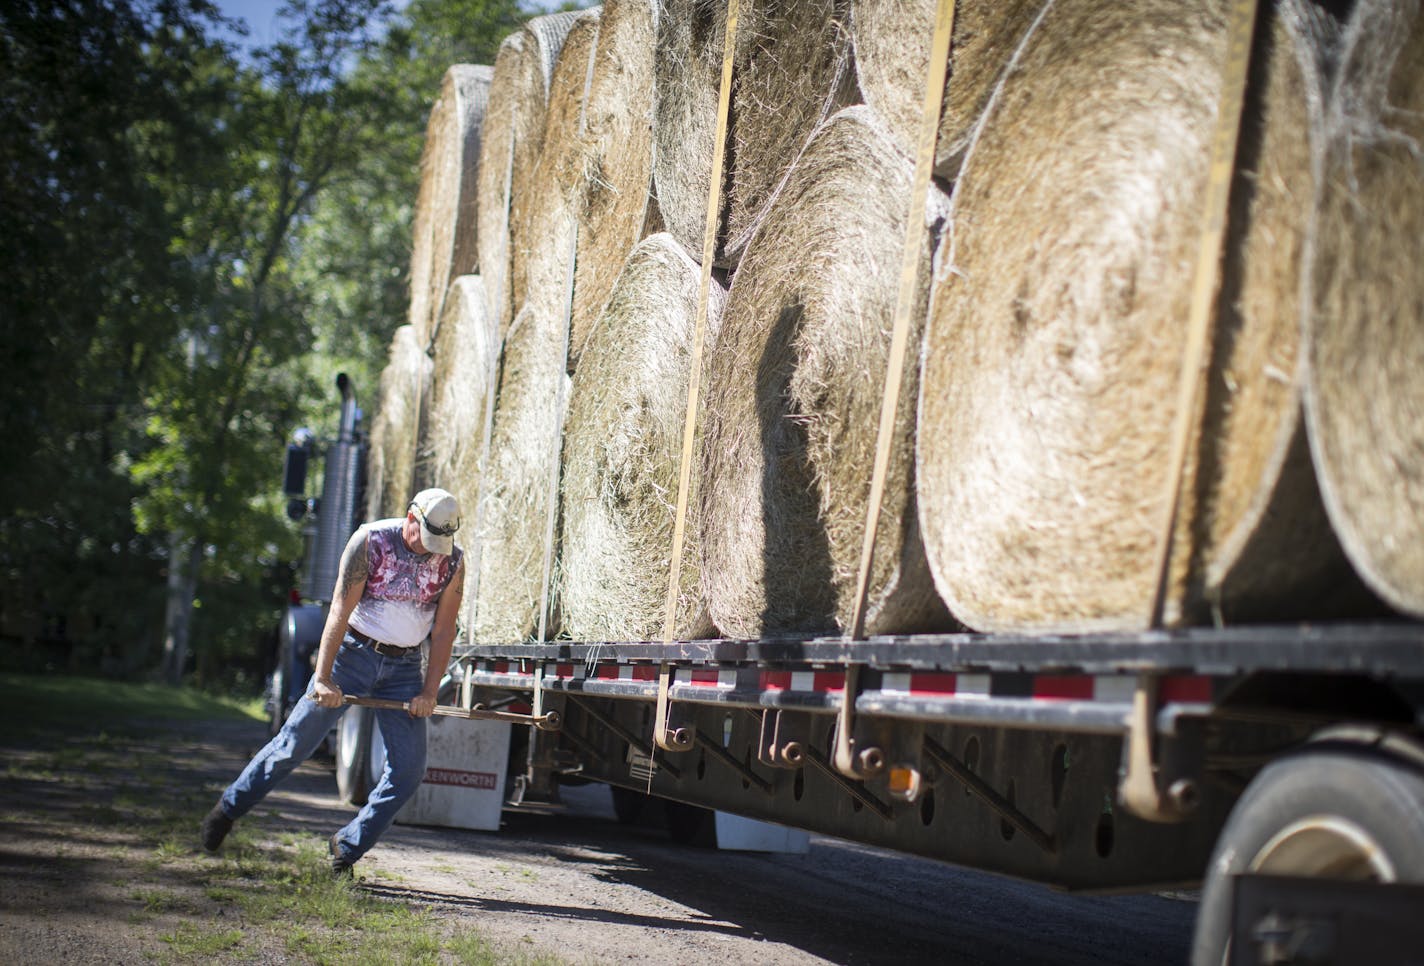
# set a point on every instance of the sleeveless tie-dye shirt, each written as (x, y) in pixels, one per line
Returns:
(402, 588)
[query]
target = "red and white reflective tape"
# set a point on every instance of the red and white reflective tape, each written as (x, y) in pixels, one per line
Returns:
(706, 678)
(1111, 688)
(1099, 688)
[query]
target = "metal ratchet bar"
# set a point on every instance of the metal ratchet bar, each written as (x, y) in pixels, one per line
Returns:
(548, 721)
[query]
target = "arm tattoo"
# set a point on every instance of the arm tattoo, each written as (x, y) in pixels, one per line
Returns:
(354, 564)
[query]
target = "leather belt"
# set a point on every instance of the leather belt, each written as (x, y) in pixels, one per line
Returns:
(380, 647)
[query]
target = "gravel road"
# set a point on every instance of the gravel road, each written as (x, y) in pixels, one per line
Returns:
(571, 878)
(569, 881)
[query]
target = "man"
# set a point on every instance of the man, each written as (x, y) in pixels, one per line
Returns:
(399, 581)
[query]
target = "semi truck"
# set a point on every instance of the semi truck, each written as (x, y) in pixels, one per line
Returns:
(1277, 764)
(1264, 762)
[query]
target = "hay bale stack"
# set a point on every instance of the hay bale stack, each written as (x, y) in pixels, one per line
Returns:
(787, 461)
(617, 133)
(791, 64)
(545, 211)
(515, 500)
(395, 433)
(512, 138)
(532, 390)
(1366, 341)
(446, 205)
(891, 40)
(622, 455)
(1056, 327)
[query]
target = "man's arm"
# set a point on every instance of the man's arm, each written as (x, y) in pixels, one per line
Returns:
(350, 585)
(442, 641)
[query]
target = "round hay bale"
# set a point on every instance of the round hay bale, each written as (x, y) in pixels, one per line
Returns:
(787, 461)
(512, 138)
(546, 211)
(465, 349)
(515, 491)
(1053, 350)
(445, 208)
(1366, 343)
(891, 40)
(395, 432)
(687, 69)
(791, 67)
(623, 448)
(793, 71)
(617, 133)
(1263, 545)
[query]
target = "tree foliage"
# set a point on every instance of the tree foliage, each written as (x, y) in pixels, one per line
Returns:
(96, 102)
(194, 239)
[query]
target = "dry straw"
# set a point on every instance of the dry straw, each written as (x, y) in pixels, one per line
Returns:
(891, 40)
(528, 419)
(1057, 323)
(509, 149)
(527, 422)
(395, 434)
(1366, 343)
(793, 401)
(793, 64)
(617, 160)
(792, 70)
(445, 208)
(465, 346)
(623, 449)
(545, 213)
(687, 71)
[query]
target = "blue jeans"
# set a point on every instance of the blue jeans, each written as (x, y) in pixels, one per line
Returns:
(361, 672)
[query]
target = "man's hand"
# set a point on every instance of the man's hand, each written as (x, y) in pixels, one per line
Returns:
(327, 694)
(422, 705)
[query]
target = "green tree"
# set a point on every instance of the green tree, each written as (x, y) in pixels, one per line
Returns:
(192, 242)
(95, 100)
(292, 125)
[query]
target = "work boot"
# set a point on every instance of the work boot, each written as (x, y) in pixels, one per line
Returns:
(214, 829)
(340, 864)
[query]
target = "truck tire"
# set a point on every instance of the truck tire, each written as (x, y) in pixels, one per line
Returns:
(689, 824)
(376, 758)
(627, 804)
(1330, 811)
(353, 753)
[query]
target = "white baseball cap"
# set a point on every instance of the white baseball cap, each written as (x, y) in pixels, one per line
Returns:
(439, 514)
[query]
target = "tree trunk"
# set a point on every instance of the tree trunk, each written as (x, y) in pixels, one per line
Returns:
(184, 556)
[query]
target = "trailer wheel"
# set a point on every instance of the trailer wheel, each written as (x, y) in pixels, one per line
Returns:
(627, 804)
(689, 824)
(376, 754)
(353, 752)
(1332, 811)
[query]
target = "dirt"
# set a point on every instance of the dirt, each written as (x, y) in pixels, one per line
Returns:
(92, 870)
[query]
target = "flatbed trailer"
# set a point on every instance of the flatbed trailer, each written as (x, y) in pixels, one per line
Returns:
(1100, 762)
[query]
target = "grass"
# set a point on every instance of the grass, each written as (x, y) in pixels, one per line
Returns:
(103, 753)
(33, 705)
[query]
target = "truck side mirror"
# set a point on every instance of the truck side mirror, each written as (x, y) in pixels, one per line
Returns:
(294, 470)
